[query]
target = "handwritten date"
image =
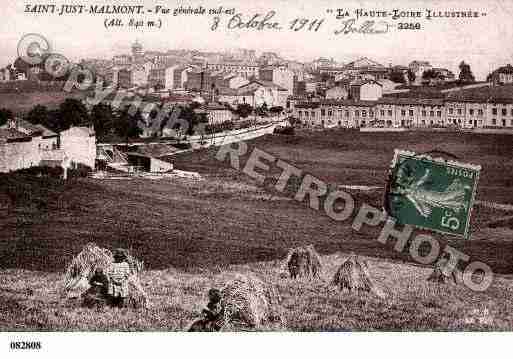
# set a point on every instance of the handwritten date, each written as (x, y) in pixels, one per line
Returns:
(260, 22)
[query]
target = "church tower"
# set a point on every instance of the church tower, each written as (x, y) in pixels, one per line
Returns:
(137, 52)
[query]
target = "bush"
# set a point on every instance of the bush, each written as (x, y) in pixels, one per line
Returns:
(79, 170)
(44, 171)
(219, 127)
(281, 130)
(276, 109)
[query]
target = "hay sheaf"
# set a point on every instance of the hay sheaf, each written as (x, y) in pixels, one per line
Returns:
(251, 304)
(353, 276)
(303, 262)
(93, 258)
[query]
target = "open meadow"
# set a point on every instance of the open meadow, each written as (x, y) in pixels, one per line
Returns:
(194, 234)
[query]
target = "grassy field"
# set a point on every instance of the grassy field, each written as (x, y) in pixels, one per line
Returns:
(195, 234)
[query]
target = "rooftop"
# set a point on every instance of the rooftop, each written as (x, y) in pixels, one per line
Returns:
(9, 135)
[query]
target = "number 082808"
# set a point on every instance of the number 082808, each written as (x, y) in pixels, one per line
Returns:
(22, 345)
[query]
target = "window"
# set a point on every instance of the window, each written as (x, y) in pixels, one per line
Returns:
(323, 112)
(451, 110)
(411, 112)
(403, 113)
(389, 112)
(494, 111)
(312, 114)
(371, 113)
(364, 113)
(494, 121)
(438, 113)
(424, 113)
(471, 112)
(300, 113)
(480, 112)
(431, 113)
(504, 112)
(357, 113)
(512, 112)
(347, 113)
(382, 112)
(330, 113)
(459, 111)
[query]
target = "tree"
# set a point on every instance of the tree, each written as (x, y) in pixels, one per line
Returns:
(429, 75)
(466, 75)
(397, 77)
(5, 115)
(187, 113)
(39, 115)
(243, 110)
(276, 109)
(261, 110)
(126, 125)
(103, 119)
(411, 76)
(72, 112)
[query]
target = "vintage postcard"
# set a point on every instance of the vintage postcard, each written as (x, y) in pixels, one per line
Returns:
(264, 166)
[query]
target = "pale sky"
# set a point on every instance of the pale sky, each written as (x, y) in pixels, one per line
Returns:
(485, 43)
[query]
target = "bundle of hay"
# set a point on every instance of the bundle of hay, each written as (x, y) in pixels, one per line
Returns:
(440, 274)
(93, 259)
(250, 303)
(353, 276)
(303, 262)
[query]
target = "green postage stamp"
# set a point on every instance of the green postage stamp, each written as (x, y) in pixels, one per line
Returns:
(432, 193)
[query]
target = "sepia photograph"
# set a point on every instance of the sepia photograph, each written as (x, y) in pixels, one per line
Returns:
(271, 166)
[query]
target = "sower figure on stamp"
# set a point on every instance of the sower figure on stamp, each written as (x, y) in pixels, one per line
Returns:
(118, 279)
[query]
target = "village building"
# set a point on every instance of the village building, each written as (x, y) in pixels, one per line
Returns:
(231, 81)
(337, 93)
(142, 162)
(17, 151)
(163, 77)
(5, 75)
(79, 144)
(245, 69)
(24, 145)
(216, 113)
(503, 75)
(256, 93)
(280, 76)
(365, 90)
(489, 106)
(418, 68)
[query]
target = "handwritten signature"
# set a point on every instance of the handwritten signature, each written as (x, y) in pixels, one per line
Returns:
(369, 27)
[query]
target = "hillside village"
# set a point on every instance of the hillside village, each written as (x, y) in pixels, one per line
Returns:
(237, 90)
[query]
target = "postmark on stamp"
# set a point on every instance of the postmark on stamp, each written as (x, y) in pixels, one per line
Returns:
(432, 193)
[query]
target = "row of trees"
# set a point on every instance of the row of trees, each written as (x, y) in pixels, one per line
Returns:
(122, 123)
(465, 76)
(107, 122)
